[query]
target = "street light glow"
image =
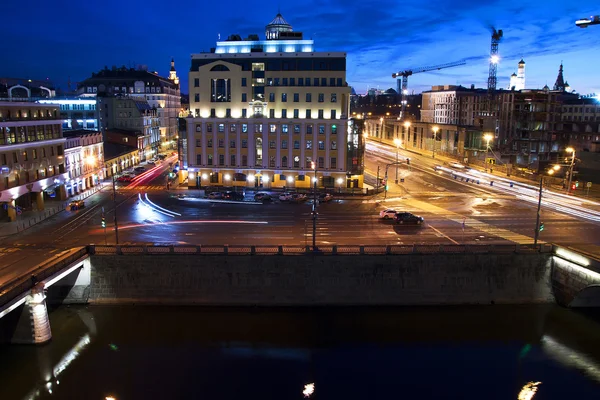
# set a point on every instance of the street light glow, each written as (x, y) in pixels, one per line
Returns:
(488, 137)
(290, 179)
(397, 142)
(436, 129)
(407, 124)
(340, 181)
(495, 59)
(570, 150)
(250, 178)
(227, 177)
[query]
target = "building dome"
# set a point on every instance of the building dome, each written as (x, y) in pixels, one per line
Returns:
(521, 62)
(514, 75)
(279, 24)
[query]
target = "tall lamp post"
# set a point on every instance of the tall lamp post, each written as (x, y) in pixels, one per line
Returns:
(381, 130)
(488, 138)
(407, 126)
(397, 142)
(435, 131)
(314, 208)
(539, 227)
(570, 150)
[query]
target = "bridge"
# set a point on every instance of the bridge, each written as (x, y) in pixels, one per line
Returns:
(296, 276)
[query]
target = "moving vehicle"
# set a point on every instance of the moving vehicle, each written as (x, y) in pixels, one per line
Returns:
(125, 179)
(407, 218)
(215, 196)
(139, 169)
(76, 205)
(298, 198)
(325, 197)
(287, 196)
(388, 213)
(262, 196)
(151, 163)
(229, 195)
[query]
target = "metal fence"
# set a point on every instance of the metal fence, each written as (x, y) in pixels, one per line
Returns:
(325, 250)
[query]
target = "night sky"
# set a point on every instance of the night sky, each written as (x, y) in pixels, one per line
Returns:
(58, 40)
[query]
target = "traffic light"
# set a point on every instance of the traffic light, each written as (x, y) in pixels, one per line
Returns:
(408, 161)
(576, 183)
(573, 186)
(103, 222)
(541, 226)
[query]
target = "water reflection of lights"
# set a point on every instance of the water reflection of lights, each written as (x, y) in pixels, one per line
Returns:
(71, 355)
(528, 391)
(309, 389)
(570, 357)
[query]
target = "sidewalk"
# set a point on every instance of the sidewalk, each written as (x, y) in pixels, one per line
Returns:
(500, 171)
(31, 218)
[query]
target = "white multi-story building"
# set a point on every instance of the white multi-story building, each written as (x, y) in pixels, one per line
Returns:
(84, 159)
(453, 105)
(265, 110)
(32, 165)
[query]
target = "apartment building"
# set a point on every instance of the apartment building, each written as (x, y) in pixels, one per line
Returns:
(84, 159)
(263, 113)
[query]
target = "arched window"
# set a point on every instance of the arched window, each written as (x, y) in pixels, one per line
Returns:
(258, 152)
(219, 67)
(284, 162)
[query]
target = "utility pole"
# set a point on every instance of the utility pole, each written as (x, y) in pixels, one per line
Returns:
(537, 220)
(115, 209)
(314, 209)
(377, 182)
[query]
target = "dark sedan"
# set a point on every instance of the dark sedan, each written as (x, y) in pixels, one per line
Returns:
(406, 218)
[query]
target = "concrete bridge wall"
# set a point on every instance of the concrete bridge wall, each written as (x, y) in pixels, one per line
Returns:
(408, 279)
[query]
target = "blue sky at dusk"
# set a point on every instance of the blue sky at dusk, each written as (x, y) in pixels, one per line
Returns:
(58, 40)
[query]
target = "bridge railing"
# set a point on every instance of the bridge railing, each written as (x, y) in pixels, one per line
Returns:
(13, 288)
(243, 250)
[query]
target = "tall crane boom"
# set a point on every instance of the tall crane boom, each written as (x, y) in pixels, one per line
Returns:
(403, 76)
(492, 80)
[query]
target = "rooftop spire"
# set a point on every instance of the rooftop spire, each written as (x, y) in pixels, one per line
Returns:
(560, 80)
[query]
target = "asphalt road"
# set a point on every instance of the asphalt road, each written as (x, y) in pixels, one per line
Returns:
(454, 212)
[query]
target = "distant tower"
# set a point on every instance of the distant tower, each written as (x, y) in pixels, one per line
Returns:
(567, 87)
(173, 74)
(521, 76)
(560, 80)
(513, 82)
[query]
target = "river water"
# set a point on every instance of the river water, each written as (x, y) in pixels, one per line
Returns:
(483, 352)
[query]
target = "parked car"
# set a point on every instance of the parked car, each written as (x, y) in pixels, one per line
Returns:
(125, 178)
(76, 205)
(287, 196)
(162, 156)
(215, 196)
(139, 169)
(239, 196)
(388, 213)
(325, 197)
(262, 196)
(407, 218)
(151, 163)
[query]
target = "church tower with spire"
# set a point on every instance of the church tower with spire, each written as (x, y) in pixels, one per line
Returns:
(560, 80)
(173, 74)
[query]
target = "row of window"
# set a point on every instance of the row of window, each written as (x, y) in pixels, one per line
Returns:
(284, 113)
(215, 97)
(272, 161)
(579, 118)
(258, 128)
(34, 154)
(272, 144)
(333, 82)
(66, 107)
(299, 63)
(32, 176)
(23, 134)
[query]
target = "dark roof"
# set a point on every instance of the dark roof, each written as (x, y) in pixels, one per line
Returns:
(79, 132)
(112, 76)
(113, 150)
(583, 101)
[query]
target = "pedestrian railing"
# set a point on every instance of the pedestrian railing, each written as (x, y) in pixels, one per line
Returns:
(243, 250)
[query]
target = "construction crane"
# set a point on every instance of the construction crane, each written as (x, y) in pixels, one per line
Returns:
(403, 75)
(492, 80)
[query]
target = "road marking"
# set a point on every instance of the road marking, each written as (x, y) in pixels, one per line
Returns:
(472, 223)
(446, 236)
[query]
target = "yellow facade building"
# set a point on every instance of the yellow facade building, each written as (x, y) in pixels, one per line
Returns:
(267, 113)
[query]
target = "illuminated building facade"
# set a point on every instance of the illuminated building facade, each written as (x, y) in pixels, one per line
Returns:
(76, 113)
(263, 111)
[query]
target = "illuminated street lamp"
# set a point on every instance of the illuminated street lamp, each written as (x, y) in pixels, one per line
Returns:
(398, 143)
(570, 150)
(381, 131)
(407, 126)
(340, 181)
(435, 131)
(539, 227)
(488, 137)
